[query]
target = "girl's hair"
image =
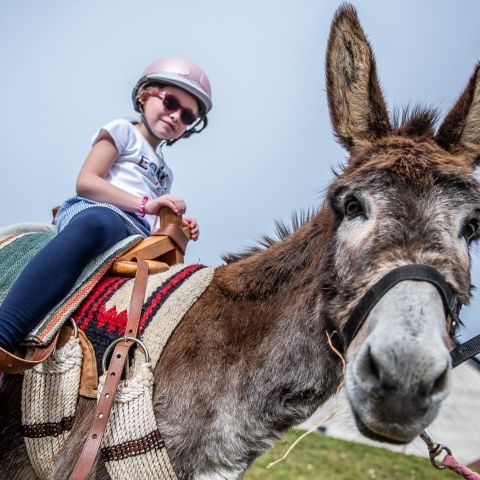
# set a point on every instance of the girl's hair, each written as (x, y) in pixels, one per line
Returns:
(151, 89)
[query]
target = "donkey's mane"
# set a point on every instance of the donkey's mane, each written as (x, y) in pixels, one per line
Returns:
(414, 121)
(282, 230)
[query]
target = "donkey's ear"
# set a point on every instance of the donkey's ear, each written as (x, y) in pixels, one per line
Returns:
(460, 131)
(357, 108)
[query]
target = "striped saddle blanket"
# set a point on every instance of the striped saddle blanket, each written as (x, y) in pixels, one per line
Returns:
(19, 244)
(102, 316)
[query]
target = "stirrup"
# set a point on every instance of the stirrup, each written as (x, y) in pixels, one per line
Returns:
(12, 363)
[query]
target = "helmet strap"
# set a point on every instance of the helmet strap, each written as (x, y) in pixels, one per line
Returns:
(147, 126)
(202, 121)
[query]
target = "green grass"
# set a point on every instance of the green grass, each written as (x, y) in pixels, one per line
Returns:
(323, 458)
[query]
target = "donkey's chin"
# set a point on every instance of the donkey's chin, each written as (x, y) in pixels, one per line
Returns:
(384, 428)
(394, 434)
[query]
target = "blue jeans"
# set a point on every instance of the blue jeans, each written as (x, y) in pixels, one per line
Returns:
(52, 272)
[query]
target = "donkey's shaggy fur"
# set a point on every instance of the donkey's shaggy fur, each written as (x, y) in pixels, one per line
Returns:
(251, 358)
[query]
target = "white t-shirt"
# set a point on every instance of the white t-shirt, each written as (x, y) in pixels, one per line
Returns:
(139, 169)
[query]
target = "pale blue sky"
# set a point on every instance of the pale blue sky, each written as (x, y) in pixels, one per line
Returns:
(69, 67)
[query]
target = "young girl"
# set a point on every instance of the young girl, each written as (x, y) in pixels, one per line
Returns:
(121, 186)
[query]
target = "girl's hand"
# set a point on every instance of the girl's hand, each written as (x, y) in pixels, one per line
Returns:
(191, 222)
(177, 204)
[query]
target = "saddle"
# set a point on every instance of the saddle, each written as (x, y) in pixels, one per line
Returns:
(154, 254)
(166, 246)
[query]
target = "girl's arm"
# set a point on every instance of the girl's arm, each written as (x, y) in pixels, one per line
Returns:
(91, 183)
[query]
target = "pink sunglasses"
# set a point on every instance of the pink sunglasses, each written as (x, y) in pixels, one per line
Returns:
(172, 104)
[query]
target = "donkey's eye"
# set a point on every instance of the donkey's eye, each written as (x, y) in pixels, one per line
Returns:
(352, 207)
(470, 229)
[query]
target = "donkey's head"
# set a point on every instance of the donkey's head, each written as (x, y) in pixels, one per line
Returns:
(406, 196)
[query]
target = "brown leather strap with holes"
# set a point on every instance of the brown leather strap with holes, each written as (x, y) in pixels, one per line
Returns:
(175, 233)
(92, 444)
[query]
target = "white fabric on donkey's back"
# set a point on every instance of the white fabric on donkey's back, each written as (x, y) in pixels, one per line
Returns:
(20, 228)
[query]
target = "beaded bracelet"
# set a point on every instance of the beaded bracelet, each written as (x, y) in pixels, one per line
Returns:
(141, 210)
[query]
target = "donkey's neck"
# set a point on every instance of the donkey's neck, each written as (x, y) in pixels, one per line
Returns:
(279, 326)
(280, 367)
(292, 261)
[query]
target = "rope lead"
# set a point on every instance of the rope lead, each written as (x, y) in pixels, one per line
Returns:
(448, 461)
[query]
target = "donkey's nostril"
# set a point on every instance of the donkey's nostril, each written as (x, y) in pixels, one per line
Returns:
(440, 382)
(438, 385)
(372, 365)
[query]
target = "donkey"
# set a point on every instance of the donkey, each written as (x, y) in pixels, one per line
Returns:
(252, 357)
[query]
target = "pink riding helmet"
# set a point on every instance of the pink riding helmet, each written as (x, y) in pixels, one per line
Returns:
(179, 72)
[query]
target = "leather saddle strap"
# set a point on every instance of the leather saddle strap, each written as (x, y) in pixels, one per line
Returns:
(10, 363)
(94, 438)
(175, 233)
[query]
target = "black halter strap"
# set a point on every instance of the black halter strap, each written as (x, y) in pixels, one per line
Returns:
(378, 290)
(424, 273)
(465, 350)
